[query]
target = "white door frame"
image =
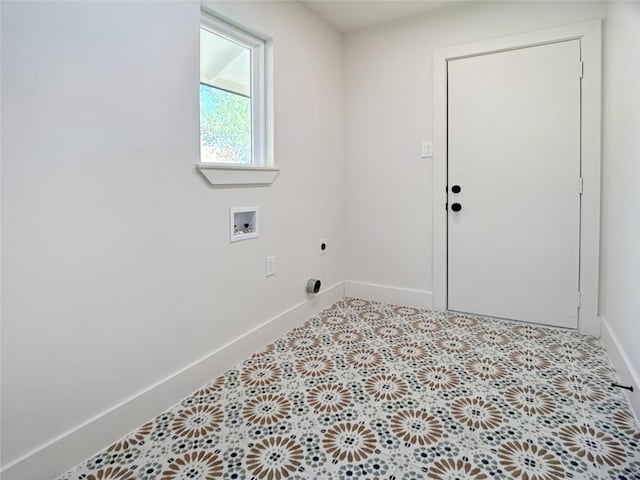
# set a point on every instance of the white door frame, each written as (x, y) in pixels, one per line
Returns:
(589, 34)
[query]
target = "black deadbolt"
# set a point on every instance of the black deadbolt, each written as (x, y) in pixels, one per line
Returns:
(456, 207)
(456, 189)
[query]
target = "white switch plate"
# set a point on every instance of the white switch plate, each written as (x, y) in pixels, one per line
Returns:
(427, 150)
(270, 266)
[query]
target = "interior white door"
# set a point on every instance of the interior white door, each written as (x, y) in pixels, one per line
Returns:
(514, 152)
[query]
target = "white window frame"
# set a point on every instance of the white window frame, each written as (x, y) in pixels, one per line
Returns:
(261, 170)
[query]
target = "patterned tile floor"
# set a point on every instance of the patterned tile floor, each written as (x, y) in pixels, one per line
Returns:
(368, 390)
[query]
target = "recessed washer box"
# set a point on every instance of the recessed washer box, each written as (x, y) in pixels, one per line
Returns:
(243, 223)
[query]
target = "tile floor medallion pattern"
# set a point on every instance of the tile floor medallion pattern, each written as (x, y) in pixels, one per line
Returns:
(366, 390)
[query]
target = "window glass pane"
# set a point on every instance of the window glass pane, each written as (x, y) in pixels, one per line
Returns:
(225, 126)
(225, 100)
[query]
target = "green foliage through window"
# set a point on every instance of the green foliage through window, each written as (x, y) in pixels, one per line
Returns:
(225, 126)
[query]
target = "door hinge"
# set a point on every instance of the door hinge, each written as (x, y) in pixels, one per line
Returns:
(580, 185)
(579, 299)
(580, 69)
(446, 206)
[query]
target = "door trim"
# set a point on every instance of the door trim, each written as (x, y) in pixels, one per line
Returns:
(590, 36)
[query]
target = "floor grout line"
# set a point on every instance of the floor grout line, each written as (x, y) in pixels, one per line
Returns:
(373, 390)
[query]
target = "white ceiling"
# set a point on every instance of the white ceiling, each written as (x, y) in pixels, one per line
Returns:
(349, 15)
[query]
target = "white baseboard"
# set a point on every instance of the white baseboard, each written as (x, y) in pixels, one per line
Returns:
(386, 294)
(72, 447)
(627, 373)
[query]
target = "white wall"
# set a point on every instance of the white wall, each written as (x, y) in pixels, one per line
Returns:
(620, 236)
(116, 264)
(388, 93)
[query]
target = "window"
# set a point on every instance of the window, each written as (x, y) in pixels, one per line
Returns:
(232, 96)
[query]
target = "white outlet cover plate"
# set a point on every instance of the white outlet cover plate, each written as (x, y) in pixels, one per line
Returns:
(270, 266)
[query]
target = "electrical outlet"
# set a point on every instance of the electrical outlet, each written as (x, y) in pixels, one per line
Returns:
(270, 266)
(323, 247)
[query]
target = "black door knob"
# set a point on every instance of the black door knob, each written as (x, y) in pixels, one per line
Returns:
(456, 207)
(456, 189)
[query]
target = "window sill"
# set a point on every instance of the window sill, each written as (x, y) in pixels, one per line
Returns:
(219, 174)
